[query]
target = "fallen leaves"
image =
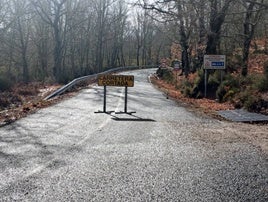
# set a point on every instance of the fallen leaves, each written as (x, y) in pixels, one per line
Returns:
(23, 100)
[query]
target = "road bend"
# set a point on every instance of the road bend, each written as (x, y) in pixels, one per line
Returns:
(163, 152)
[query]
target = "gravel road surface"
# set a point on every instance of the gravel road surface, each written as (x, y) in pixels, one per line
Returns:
(163, 152)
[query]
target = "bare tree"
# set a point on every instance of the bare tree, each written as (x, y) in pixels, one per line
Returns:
(6, 21)
(200, 11)
(218, 11)
(117, 29)
(22, 27)
(15, 39)
(252, 17)
(63, 39)
(52, 12)
(101, 9)
(41, 37)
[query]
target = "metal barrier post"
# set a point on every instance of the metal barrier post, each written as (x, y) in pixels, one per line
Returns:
(126, 99)
(104, 99)
(104, 102)
(125, 108)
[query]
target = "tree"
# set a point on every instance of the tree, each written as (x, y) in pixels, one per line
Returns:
(101, 9)
(117, 31)
(199, 7)
(176, 11)
(53, 13)
(252, 16)
(22, 29)
(218, 11)
(15, 39)
(41, 38)
(184, 38)
(64, 39)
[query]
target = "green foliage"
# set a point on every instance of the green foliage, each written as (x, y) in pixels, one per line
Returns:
(186, 88)
(243, 92)
(221, 92)
(266, 69)
(214, 80)
(234, 63)
(166, 74)
(262, 84)
(228, 88)
(199, 85)
(248, 99)
(194, 89)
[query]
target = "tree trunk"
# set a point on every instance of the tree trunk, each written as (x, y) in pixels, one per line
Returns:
(57, 70)
(23, 52)
(202, 35)
(216, 21)
(183, 42)
(249, 29)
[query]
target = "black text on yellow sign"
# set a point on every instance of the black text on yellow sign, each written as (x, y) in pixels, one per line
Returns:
(116, 80)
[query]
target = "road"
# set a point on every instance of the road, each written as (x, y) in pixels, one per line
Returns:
(163, 152)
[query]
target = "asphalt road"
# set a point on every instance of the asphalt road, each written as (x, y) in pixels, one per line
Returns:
(163, 152)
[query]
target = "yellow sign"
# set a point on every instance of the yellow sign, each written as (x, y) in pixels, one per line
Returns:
(116, 80)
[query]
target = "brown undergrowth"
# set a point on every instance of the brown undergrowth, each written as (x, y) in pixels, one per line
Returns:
(204, 104)
(25, 99)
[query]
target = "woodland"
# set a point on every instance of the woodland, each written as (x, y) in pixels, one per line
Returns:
(55, 41)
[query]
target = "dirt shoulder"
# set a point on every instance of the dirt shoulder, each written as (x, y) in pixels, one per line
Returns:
(26, 99)
(255, 134)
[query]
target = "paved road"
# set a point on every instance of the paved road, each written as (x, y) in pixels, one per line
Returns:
(162, 153)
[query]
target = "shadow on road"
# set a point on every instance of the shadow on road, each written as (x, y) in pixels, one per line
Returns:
(131, 118)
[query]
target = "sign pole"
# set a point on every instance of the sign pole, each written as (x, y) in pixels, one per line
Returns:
(221, 76)
(206, 76)
(125, 99)
(104, 102)
(104, 99)
(176, 79)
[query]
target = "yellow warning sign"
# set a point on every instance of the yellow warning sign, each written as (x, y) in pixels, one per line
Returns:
(116, 80)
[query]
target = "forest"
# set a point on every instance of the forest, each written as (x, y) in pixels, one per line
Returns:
(59, 40)
(55, 41)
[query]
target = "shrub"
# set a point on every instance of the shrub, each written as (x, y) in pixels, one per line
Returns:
(7, 99)
(165, 74)
(199, 85)
(234, 63)
(5, 84)
(195, 88)
(221, 92)
(168, 76)
(159, 72)
(262, 84)
(265, 65)
(214, 80)
(249, 100)
(228, 88)
(186, 88)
